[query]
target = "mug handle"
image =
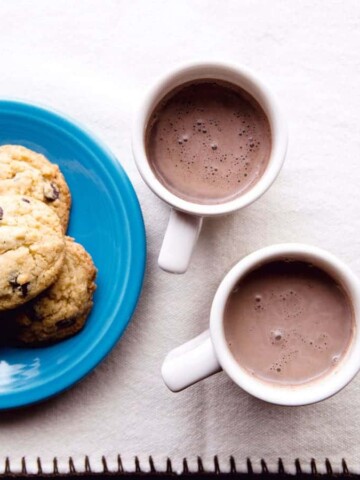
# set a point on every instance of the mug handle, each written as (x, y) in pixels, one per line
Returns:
(179, 241)
(191, 362)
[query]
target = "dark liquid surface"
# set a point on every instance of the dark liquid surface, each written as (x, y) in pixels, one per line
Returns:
(288, 322)
(208, 142)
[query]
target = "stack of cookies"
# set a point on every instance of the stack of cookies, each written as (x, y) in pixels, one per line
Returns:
(47, 280)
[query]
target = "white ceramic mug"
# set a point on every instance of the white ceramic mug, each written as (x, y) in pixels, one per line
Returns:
(209, 353)
(186, 217)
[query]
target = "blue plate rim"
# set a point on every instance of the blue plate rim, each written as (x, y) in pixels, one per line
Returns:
(85, 365)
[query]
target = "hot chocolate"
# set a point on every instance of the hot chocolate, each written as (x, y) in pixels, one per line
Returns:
(208, 142)
(288, 322)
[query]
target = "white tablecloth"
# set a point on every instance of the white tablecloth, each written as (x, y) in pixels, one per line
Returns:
(91, 59)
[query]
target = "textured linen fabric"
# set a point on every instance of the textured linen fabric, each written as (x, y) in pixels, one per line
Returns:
(92, 59)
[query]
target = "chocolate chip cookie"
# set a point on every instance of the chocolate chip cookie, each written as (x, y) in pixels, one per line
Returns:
(62, 309)
(25, 172)
(32, 247)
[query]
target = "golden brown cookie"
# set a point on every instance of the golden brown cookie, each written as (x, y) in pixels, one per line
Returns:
(62, 309)
(32, 249)
(24, 172)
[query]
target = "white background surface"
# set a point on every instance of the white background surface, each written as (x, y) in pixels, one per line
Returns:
(92, 59)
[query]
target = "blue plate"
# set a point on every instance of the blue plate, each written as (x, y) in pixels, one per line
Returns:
(106, 219)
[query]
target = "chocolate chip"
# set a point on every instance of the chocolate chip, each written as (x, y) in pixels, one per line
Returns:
(25, 200)
(13, 282)
(66, 323)
(23, 288)
(51, 192)
(1, 213)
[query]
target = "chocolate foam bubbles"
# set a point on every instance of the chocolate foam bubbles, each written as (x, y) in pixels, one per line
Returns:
(289, 322)
(208, 142)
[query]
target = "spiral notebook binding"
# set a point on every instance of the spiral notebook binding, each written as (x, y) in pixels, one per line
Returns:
(23, 466)
(120, 465)
(55, 466)
(345, 467)
(313, 466)
(281, 469)
(7, 466)
(328, 466)
(264, 468)
(152, 465)
(233, 464)
(169, 468)
(39, 466)
(87, 465)
(216, 465)
(137, 465)
(185, 470)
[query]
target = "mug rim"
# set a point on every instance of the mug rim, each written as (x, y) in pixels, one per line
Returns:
(288, 395)
(247, 80)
